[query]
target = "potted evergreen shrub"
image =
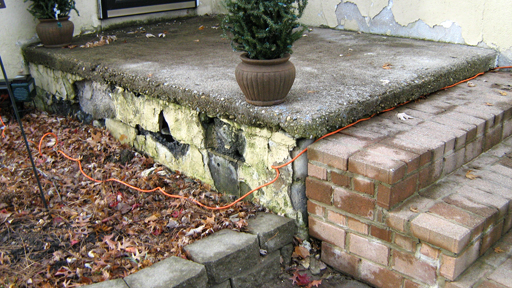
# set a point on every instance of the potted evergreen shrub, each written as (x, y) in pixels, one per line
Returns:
(54, 28)
(265, 31)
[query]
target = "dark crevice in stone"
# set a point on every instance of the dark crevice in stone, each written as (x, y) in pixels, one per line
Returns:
(224, 139)
(177, 149)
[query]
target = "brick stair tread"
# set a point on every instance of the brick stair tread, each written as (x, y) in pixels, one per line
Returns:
(448, 130)
(462, 217)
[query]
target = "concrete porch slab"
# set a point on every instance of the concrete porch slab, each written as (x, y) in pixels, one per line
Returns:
(341, 76)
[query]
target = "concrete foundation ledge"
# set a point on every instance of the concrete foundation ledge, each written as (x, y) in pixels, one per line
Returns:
(226, 259)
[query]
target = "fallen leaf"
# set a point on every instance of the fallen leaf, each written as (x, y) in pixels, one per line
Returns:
(414, 209)
(300, 279)
(503, 93)
(161, 35)
(201, 27)
(149, 35)
(152, 218)
(470, 175)
(387, 66)
(489, 104)
(197, 40)
(498, 250)
(311, 91)
(314, 283)
(471, 84)
(301, 252)
(96, 137)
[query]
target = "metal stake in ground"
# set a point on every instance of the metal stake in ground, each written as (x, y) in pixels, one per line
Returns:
(13, 102)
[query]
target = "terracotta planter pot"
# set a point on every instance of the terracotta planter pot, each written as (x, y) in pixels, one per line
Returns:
(265, 82)
(55, 33)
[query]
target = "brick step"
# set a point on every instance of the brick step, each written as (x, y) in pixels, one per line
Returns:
(390, 198)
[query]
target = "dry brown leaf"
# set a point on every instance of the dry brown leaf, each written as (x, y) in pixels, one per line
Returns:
(96, 137)
(122, 137)
(470, 175)
(489, 104)
(503, 93)
(302, 252)
(201, 27)
(414, 209)
(387, 66)
(152, 218)
(314, 283)
(471, 84)
(311, 91)
(498, 250)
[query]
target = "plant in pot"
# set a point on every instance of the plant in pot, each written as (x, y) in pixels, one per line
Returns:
(265, 31)
(54, 28)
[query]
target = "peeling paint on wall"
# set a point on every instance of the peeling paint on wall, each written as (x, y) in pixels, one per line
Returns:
(384, 23)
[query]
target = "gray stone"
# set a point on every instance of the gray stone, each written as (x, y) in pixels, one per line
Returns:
(298, 197)
(267, 270)
(94, 99)
(225, 284)
(224, 174)
(286, 254)
(117, 283)
(172, 272)
(225, 254)
(224, 139)
(273, 231)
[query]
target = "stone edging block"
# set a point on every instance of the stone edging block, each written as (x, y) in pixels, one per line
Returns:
(273, 231)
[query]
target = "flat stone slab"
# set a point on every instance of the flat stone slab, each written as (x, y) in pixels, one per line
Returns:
(225, 254)
(341, 76)
(172, 272)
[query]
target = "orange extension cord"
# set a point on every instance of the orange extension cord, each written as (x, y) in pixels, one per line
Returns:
(159, 189)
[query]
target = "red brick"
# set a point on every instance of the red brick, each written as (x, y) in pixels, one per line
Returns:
(379, 276)
(409, 284)
(339, 260)
(474, 222)
(474, 148)
(405, 242)
(429, 251)
(388, 197)
(327, 232)
(491, 237)
(317, 171)
(316, 209)
(479, 196)
(331, 153)
(451, 137)
(399, 218)
(318, 190)
(381, 233)
(469, 129)
(369, 249)
(489, 284)
(406, 144)
(353, 203)
(463, 117)
(430, 174)
(493, 137)
(376, 166)
(336, 218)
(454, 161)
(440, 232)
(507, 223)
(357, 225)
(364, 186)
(503, 274)
(408, 264)
(452, 267)
(340, 179)
(490, 214)
(507, 129)
(412, 160)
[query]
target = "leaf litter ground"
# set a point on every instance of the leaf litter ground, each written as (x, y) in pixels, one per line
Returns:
(101, 231)
(94, 231)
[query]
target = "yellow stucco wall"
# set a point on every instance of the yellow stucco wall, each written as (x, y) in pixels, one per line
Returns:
(485, 23)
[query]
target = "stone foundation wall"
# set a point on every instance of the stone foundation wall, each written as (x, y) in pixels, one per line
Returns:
(232, 158)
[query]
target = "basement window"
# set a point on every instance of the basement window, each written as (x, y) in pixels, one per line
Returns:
(117, 8)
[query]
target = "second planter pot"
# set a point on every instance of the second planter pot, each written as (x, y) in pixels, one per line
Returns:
(265, 82)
